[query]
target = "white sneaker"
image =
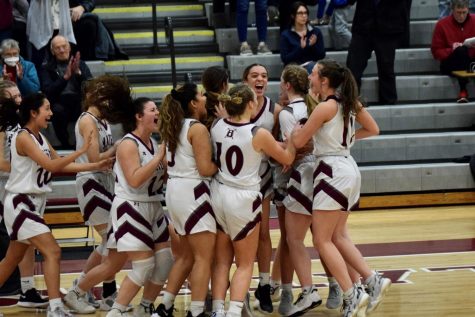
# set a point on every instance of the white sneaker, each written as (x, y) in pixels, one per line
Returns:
(143, 311)
(219, 313)
(90, 298)
(334, 299)
(58, 312)
(246, 309)
(285, 305)
(306, 301)
(377, 288)
(117, 313)
(245, 50)
(355, 305)
(78, 303)
(262, 49)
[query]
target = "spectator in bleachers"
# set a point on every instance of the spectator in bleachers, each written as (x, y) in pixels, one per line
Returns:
(61, 80)
(285, 7)
(378, 26)
(448, 43)
(220, 20)
(339, 28)
(20, 13)
(444, 7)
(94, 39)
(47, 18)
(301, 44)
(85, 28)
(17, 69)
(261, 23)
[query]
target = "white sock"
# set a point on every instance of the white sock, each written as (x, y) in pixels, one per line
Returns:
(145, 302)
(244, 43)
(55, 302)
(235, 308)
(78, 290)
(120, 307)
(27, 283)
(264, 278)
(81, 276)
(218, 304)
(287, 288)
(307, 289)
(349, 293)
(168, 299)
(197, 308)
(262, 43)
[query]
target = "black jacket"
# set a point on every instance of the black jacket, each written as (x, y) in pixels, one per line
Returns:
(52, 84)
(386, 18)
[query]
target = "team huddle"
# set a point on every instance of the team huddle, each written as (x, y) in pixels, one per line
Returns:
(224, 155)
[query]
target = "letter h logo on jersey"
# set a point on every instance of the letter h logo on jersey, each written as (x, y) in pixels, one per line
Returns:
(230, 133)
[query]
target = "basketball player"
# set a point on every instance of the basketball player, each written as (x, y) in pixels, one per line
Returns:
(33, 161)
(337, 181)
(239, 147)
(190, 166)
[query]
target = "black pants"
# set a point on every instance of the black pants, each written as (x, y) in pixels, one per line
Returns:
(66, 110)
(85, 31)
(384, 46)
(12, 285)
(458, 60)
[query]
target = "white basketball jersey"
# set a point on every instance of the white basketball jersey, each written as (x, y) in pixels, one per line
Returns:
(105, 138)
(291, 115)
(237, 160)
(334, 137)
(183, 163)
(151, 190)
(26, 176)
(9, 132)
(265, 117)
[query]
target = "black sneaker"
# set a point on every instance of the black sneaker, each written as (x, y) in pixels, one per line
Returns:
(162, 312)
(32, 298)
(263, 295)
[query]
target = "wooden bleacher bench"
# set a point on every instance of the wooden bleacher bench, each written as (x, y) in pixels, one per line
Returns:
(463, 74)
(64, 213)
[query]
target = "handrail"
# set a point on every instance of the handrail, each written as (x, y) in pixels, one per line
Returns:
(171, 43)
(154, 27)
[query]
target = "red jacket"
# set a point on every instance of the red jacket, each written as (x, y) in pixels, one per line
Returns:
(448, 31)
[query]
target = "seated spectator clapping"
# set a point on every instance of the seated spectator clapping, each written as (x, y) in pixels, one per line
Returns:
(61, 80)
(17, 69)
(301, 44)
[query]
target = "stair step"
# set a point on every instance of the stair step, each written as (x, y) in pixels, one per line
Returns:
(125, 13)
(180, 36)
(147, 65)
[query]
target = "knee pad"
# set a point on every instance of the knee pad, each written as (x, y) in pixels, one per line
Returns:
(141, 271)
(163, 264)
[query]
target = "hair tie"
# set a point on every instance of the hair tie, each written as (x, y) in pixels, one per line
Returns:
(236, 100)
(175, 94)
(224, 98)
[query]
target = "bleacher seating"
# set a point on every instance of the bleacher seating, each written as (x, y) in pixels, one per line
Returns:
(420, 136)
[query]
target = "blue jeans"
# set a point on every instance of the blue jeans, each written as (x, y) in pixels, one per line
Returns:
(261, 19)
(321, 9)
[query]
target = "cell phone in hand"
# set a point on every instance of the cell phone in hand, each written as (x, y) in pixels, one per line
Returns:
(11, 72)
